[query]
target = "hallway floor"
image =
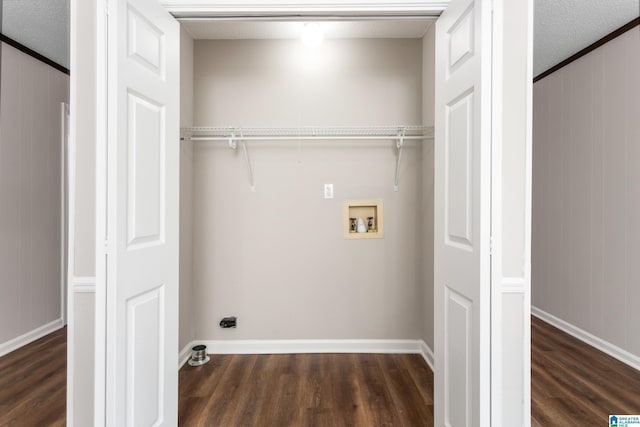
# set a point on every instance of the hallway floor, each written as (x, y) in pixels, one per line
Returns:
(574, 384)
(33, 383)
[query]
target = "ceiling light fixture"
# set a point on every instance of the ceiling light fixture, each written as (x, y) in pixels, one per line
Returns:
(312, 35)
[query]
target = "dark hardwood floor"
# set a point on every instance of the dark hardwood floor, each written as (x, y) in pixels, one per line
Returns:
(307, 390)
(573, 384)
(33, 383)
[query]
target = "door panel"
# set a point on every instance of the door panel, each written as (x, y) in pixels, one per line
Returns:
(458, 188)
(146, 42)
(146, 173)
(142, 215)
(145, 375)
(461, 38)
(462, 215)
(458, 369)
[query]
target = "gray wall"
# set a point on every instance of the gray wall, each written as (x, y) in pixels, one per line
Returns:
(276, 258)
(31, 217)
(586, 203)
(428, 118)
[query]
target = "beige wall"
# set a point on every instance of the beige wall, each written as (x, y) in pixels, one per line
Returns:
(586, 203)
(186, 332)
(428, 117)
(85, 206)
(280, 83)
(276, 258)
(82, 320)
(31, 193)
(83, 361)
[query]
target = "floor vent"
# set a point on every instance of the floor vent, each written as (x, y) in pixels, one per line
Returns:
(199, 355)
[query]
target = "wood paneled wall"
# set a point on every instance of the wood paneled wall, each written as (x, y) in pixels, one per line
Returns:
(586, 193)
(30, 196)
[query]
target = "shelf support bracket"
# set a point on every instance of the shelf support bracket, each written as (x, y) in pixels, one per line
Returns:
(248, 162)
(233, 144)
(399, 146)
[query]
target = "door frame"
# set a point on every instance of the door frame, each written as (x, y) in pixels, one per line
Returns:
(502, 283)
(222, 9)
(65, 211)
(511, 173)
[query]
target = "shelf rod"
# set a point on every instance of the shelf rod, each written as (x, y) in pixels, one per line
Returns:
(232, 140)
(306, 137)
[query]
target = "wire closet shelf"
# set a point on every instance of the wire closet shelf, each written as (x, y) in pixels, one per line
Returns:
(233, 135)
(307, 133)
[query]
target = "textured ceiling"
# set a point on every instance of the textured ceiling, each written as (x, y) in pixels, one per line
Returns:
(562, 27)
(41, 25)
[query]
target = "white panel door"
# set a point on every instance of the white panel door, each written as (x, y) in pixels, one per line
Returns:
(462, 214)
(142, 215)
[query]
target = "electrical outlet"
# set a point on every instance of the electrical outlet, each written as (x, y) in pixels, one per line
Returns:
(328, 191)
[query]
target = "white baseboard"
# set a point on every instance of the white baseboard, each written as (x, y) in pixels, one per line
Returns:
(612, 350)
(311, 346)
(22, 340)
(427, 354)
(185, 354)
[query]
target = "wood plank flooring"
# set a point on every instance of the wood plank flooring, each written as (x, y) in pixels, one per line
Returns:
(574, 384)
(33, 383)
(307, 390)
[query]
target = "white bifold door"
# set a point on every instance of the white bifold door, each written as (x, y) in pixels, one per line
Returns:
(462, 215)
(142, 215)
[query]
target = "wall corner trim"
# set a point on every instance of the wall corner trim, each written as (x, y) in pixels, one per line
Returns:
(427, 354)
(32, 53)
(84, 284)
(185, 354)
(29, 337)
(606, 347)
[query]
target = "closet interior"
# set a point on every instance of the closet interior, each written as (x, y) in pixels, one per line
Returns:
(284, 149)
